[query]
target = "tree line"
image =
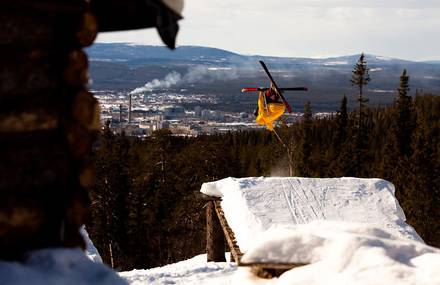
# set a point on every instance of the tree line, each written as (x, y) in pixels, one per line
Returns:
(144, 212)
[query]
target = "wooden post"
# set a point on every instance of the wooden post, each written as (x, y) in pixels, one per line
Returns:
(110, 249)
(215, 240)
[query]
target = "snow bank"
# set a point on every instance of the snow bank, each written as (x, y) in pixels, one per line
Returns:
(342, 253)
(60, 266)
(253, 205)
(57, 266)
(91, 251)
(191, 271)
(347, 231)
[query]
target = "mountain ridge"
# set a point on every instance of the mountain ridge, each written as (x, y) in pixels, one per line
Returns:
(136, 51)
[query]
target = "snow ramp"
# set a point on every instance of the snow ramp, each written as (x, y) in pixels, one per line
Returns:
(253, 205)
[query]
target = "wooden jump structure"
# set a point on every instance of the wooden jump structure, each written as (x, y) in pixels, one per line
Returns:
(218, 231)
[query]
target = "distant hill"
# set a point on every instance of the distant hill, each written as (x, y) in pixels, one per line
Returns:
(135, 54)
(224, 73)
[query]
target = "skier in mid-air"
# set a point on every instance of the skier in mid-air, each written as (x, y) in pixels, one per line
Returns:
(271, 101)
(270, 108)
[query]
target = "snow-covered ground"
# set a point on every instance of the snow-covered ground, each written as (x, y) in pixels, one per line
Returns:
(192, 271)
(91, 251)
(57, 266)
(346, 231)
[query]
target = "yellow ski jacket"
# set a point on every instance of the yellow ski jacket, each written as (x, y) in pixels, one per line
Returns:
(268, 113)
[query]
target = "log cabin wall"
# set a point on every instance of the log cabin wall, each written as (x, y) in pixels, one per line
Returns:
(48, 121)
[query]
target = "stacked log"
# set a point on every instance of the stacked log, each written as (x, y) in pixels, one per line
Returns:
(48, 121)
(236, 253)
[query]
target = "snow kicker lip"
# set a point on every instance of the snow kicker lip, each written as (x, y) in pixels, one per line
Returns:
(253, 205)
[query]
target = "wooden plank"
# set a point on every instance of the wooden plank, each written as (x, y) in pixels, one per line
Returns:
(274, 265)
(200, 196)
(265, 269)
(215, 241)
(270, 270)
(229, 234)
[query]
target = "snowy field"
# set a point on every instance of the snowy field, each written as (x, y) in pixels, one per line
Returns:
(55, 267)
(192, 271)
(346, 231)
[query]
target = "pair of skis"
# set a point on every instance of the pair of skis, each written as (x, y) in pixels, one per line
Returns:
(278, 90)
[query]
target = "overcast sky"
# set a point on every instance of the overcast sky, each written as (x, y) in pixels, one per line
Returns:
(407, 29)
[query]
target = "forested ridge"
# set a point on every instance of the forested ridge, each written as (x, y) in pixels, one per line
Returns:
(144, 211)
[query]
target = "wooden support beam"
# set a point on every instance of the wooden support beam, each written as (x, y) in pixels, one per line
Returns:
(270, 270)
(203, 197)
(236, 253)
(215, 241)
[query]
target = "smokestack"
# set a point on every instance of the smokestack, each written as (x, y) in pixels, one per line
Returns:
(120, 114)
(129, 108)
(120, 118)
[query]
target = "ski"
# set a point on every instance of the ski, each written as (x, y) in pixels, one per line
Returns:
(275, 86)
(250, 89)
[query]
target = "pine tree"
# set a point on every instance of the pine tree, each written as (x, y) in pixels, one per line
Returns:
(398, 147)
(405, 122)
(306, 142)
(342, 121)
(341, 162)
(420, 199)
(418, 196)
(360, 77)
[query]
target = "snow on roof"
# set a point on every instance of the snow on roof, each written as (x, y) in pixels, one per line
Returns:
(254, 205)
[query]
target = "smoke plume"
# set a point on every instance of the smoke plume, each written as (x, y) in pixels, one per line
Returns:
(170, 79)
(199, 73)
